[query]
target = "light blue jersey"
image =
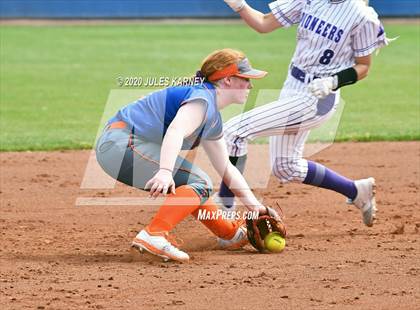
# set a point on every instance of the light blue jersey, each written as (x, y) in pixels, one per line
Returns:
(150, 117)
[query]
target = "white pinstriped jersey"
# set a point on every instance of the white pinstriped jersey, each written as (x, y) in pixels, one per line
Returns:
(330, 33)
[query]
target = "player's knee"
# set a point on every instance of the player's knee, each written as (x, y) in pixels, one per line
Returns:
(231, 127)
(203, 188)
(229, 135)
(287, 169)
(280, 174)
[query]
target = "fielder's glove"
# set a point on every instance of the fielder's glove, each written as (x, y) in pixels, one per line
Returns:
(321, 88)
(236, 5)
(258, 228)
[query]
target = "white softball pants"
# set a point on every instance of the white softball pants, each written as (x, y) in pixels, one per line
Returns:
(287, 122)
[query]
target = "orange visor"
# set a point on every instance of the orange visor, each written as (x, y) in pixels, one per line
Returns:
(241, 69)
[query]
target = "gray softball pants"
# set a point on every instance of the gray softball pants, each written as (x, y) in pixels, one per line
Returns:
(134, 161)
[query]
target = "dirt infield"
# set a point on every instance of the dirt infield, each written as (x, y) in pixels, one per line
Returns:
(55, 255)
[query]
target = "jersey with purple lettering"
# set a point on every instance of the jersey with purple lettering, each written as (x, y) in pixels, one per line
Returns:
(331, 33)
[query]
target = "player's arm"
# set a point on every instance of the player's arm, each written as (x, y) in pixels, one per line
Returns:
(188, 118)
(362, 66)
(262, 23)
(218, 155)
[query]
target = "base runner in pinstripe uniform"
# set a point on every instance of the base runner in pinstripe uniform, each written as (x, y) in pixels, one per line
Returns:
(335, 40)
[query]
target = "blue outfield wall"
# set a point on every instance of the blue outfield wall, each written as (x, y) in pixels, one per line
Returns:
(160, 8)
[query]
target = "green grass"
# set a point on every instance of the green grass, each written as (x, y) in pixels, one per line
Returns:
(55, 80)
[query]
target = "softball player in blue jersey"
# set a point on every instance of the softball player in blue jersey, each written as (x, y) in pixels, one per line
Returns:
(140, 147)
(335, 40)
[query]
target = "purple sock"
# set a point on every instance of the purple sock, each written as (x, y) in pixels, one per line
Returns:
(321, 176)
(226, 195)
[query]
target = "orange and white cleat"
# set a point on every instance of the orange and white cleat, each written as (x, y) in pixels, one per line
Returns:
(157, 244)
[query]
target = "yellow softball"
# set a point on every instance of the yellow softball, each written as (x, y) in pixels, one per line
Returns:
(274, 242)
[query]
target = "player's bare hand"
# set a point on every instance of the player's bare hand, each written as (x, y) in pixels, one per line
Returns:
(236, 5)
(263, 210)
(162, 183)
(321, 88)
(271, 212)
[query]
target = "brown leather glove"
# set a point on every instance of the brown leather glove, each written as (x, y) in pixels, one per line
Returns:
(266, 223)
